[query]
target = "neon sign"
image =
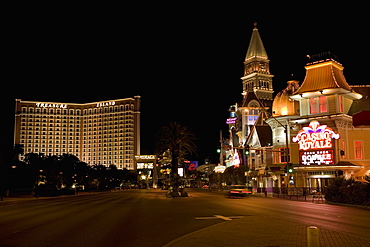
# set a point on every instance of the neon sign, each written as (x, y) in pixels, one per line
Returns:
(236, 160)
(219, 169)
(315, 136)
(145, 157)
(101, 104)
(51, 105)
(231, 120)
(318, 157)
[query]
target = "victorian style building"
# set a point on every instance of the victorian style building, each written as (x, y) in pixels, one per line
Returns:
(313, 130)
(98, 133)
(320, 129)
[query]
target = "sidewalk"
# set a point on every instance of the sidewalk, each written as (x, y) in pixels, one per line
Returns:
(308, 198)
(262, 231)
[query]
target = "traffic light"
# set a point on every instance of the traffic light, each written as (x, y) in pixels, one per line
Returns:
(218, 150)
(246, 148)
(290, 168)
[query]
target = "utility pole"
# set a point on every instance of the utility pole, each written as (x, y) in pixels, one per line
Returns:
(221, 155)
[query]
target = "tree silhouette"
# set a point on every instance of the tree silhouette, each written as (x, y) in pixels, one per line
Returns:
(60, 173)
(178, 140)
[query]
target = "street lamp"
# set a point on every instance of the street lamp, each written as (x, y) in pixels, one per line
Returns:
(221, 155)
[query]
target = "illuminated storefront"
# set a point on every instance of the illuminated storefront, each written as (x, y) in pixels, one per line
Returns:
(147, 170)
(316, 145)
(98, 133)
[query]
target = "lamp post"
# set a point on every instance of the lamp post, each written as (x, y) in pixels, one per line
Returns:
(221, 155)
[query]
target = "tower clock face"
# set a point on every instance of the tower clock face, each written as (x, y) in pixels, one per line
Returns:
(263, 66)
(248, 69)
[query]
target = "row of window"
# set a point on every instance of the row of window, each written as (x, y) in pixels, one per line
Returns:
(358, 149)
(54, 151)
(110, 142)
(320, 104)
(99, 156)
(101, 110)
(128, 164)
(72, 120)
(129, 147)
(125, 128)
(128, 144)
(110, 122)
(123, 115)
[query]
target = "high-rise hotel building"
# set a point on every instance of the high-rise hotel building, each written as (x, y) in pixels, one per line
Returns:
(98, 133)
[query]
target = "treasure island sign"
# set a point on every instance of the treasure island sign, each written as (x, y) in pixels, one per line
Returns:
(315, 144)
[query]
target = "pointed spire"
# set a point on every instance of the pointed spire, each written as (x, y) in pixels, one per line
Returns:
(256, 48)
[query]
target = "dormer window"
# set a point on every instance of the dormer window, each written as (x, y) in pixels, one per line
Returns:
(323, 104)
(318, 105)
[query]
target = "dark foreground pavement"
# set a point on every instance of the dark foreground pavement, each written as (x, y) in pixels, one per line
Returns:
(148, 218)
(263, 231)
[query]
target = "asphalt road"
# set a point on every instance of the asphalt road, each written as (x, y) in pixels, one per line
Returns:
(148, 218)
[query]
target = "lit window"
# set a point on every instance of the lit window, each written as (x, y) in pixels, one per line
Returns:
(252, 117)
(283, 157)
(313, 106)
(318, 105)
(323, 104)
(340, 97)
(358, 149)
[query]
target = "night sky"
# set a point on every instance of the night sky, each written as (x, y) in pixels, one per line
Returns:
(184, 60)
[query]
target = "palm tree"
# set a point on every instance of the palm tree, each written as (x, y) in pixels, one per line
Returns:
(178, 140)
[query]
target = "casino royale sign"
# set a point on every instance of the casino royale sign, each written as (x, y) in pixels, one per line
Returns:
(315, 143)
(315, 136)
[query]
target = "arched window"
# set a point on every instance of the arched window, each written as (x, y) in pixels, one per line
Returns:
(252, 113)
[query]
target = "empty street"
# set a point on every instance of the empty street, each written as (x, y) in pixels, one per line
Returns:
(149, 218)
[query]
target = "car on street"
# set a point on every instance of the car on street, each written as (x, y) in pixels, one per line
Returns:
(239, 191)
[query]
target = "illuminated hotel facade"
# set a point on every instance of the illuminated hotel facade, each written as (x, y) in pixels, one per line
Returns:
(98, 133)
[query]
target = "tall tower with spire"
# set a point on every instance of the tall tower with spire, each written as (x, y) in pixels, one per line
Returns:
(257, 77)
(247, 126)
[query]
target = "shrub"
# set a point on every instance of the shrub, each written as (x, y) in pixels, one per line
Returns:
(348, 191)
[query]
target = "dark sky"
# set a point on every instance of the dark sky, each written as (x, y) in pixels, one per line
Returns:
(184, 60)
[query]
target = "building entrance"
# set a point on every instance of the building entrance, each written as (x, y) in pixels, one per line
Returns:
(318, 184)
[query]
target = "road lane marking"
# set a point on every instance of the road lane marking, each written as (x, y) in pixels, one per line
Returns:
(219, 217)
(205, 218)
(222, 217)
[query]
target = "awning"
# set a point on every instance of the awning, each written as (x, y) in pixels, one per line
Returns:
(342, 165)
